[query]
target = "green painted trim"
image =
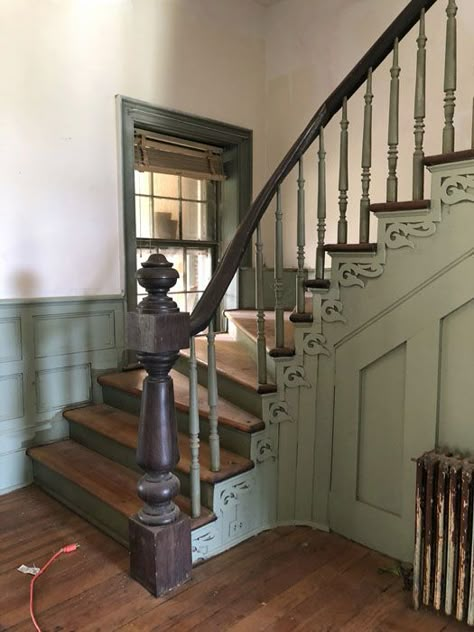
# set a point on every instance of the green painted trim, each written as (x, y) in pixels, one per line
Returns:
(234, 140)
(60, 299)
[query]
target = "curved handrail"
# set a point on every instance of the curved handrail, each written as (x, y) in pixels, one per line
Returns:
(227, 267)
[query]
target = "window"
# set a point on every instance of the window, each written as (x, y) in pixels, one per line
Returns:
(177, 216)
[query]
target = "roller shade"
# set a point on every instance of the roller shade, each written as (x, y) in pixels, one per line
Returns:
(162, 155)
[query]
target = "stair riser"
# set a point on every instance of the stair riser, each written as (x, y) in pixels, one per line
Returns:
(249, 343)
(82, 502)
(245, 398)
(230, 438)
(127, 457)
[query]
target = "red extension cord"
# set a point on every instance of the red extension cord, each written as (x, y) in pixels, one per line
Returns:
(66, 549)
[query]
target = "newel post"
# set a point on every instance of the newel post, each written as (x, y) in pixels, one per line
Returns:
(159, 534)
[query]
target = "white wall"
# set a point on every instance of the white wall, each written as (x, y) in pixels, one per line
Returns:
(310, 47)
(61, 63)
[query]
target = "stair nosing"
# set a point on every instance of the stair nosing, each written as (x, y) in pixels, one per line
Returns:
(206, 474)
(32, 452)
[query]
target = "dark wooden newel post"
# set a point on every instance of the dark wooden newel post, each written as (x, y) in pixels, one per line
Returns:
(160, 535)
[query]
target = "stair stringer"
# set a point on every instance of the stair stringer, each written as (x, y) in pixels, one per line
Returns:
(343, 310)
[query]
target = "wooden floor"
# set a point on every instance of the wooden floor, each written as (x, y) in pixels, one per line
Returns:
(283, 580)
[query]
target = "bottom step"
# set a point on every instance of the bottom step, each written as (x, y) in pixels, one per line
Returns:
(99, 490)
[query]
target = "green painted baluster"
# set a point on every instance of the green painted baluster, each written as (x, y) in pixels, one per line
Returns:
(343, 176)
(393, 119)
(194, 473)
(420, 113)
(300, 302)
(321, 207)
(212, 397)
(278, 284)
(259, 303)
(450, 77)
(364, 223)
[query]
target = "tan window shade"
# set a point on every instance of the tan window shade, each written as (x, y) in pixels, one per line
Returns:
(159, 156)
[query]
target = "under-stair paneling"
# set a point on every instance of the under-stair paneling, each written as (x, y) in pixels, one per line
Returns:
(50, 354)
(456, 380)
(381, 422)
(394, 378)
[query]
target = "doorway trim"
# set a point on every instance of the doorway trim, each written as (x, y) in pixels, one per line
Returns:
(237, 188)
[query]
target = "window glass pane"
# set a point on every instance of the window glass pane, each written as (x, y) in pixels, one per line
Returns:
(192, 299)
(176, 257)
(143, 216)
(165, 219)
(180, 299)
(142, 183)
(165, 185)
(198, 269)
(192, 189)
(196, 222)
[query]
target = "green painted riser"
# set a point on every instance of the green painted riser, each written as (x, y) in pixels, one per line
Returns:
(231, 439)
(82, 502)
(239, 395)
(127, 457)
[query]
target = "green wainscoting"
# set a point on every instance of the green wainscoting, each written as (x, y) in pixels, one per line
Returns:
(50, 354)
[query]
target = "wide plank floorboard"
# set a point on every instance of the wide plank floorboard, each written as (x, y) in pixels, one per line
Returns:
(290, 578)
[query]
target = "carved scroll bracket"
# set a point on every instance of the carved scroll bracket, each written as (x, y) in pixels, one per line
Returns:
(348, 274)
(397, 234)
(315, 344)
(456, 189)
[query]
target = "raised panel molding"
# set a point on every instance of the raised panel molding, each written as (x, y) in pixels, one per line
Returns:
(62, 386)
(456, 384)
(59, 334)
(381, 421)
(11, 397)
(10, 339)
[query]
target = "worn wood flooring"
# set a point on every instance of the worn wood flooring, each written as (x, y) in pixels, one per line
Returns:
(287, 579)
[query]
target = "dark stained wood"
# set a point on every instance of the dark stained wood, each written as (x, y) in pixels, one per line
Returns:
(411, 205)
(229, 264)
(348, 248)
(444, 159)
(282, 352)
(158, 561)
(108, 481)
(122, 427)
(318, 284)
(290, 578)
(131, 382)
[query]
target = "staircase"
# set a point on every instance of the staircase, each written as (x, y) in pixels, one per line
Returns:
(94, 472)
(288, 417)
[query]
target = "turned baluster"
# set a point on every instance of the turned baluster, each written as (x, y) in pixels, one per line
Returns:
(278, 280)
(212, 395)
(300, 275)
(160, 536)
(420, 113)
(343, 176)
(393, 125)
(259, 303)
(450, 77)
(366, 163)
(194, 472)
(321, 207)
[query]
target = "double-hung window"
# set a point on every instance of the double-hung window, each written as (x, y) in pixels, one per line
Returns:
(176, 209)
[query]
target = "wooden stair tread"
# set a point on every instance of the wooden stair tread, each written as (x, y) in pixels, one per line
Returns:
(246, 320)
(232, 358)
(122, 427)
(230, 415)
(411, 205)
(113, 484)
(349, 248)
(444, 159)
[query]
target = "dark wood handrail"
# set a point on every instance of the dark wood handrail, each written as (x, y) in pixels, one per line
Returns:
(225, 271)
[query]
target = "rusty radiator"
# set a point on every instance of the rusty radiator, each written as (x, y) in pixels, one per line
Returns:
(443, 570)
